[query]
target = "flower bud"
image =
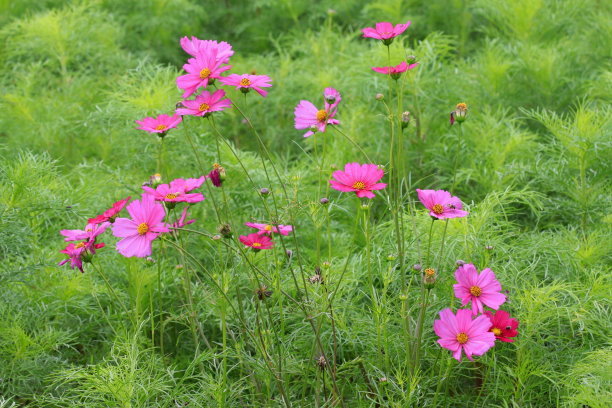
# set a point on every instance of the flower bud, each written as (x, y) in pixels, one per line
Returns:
(411, 59)
(416, 267)
(489, 247)
(263, 292)
(289, 254)
(244, 90)
(380, 97)
(365, 206)
(429, 282)
(330, 99)
(149, 261)
(225, 230)
(87, 255)
(333, 166)
(331, 12)
(264, 191)
(325, 265)
(321, 362)
(391, 257)
(460, 262)
(155, 180)
(216, 237)
(405, 119)
(324, 201)
(459, 113)
(313, 128)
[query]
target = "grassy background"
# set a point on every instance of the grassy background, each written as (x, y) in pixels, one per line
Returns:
(534, 171)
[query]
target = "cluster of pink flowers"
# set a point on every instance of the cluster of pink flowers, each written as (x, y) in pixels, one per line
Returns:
(262, 239)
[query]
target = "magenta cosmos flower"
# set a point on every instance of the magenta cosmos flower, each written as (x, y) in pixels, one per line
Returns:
(216, 175)
(111, 213)
(91, 231)
(477, 288)
(460, 333)
(257, 241)
(205, 104)
(360, 178)
(138, 233)
(441, 205)
(269, 229)
(307, 116)
(384, 31)
(173, 193)
(160, 124)
(200, 70)
(77, 253)
(502, 326)
(180, 223)
(195, 46)
(246, 82)
(397, 70)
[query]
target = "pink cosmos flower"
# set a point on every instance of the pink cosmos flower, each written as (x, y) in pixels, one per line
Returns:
(384, 31)
(173, 194)
(257, 241)
(77, 253)
(332, 96)
(478, 288)
(502, 326)
(307, 116)
(205, 103)
(139, 232)
(269, 229)
(180, 223)
(245, 82)
(441, 205)
(160, 124)
(397, 70)
(459, 332)
(361, 179)
(200, 70)
(187, 185)
(111, 213)
(90, 233)
(196, 46)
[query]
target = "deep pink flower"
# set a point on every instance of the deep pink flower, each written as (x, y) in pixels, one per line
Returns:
(502, 326)
(257, 241)
(138, 233)
(397, 70)
(245, 82)
(269, 229)
(160, 124)
(173, 194)
(205, 103)
(441, 205)
(180, 223)
(200, 70)
(195, 46)
(361, 179)
(111, 213)
(459, 332)
(90, 233)
(384, 31)
(478, 288)
(77, 253)
(307, 116)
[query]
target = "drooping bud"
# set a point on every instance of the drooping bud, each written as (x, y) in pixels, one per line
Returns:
(405, 119)
(289, 254)
(380, 97)
(225, 230)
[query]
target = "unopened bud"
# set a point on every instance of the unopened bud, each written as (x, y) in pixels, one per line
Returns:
(489, 247)
(405, 119)
(264, 191)
(380, 97)
(313, 128)
(411, 59)
(289, 254)
(460, 262)
(429, 282)
(225, 230)
(391, 257)
(324, 201)
(216, 237)
(365, 207)
(416, 267)
(149, 261)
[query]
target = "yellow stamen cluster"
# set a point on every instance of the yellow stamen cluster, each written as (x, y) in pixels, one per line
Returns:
(496, 331)
(205, 73)
(143, 228)
(256, 244)
(462, 338)
(160, 127)
(475, 291)
(203, 107)
(430, 272)
(321, 115)
(79, 245)
(268, 228)
(438, 209)
(171, 196)
(245, 82)
(358, 185)
(462, 107)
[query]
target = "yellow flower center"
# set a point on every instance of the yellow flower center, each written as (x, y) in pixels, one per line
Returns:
(171, 196)
(160, 127)
(268, 228)
(430, 272)
(475, 291)
(496, 331)
(438, 209)
(203, 107)
(462, 106)
(462, 338)
(143, 228)
(321, 115)
(245, 82)
(216, 166)
(205, 73)
(358, 185)
(79, 245)
(256, 244)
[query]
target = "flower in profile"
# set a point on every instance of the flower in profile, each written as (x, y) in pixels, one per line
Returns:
(180, 223)
(395, 71)
(144, 226)
(111, 213)
(478, 288)
(246, 82)
(384, 31)
(201, 70)
(460, 333)
(160, 124)
(269, 229)
(502, 326)
(216, 175)
(205, 104)
(257, 241)
(441, 205)
(80, 252)
(91, 231)
(194, 46)
(173, 193)
(361, 179)
(459, 113)
(307, 116)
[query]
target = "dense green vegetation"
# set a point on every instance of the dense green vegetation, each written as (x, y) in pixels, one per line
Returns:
(534, 172)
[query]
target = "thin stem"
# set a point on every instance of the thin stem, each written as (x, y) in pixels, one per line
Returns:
(459, 134)
(347, 137)
(108, 285)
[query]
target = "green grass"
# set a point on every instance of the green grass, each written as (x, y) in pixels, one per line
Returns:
(534, 172)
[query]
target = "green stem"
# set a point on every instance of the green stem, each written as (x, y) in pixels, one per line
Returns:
(459, 134)
(108, 285)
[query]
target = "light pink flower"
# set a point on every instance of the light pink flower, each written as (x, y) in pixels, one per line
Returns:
(90, 233)
(478, 288)
(384, 31)
(460, 333)
(160, 124)
(307, 116)
(173, 194)
(257, 241)
(205, 103)
(245, 82)
(361, 179)
(111, 213)
(397, 70)
(195, 46)
(139, 232)
(200, 70)
(441, 205)
(77, 253)
(269, 229)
